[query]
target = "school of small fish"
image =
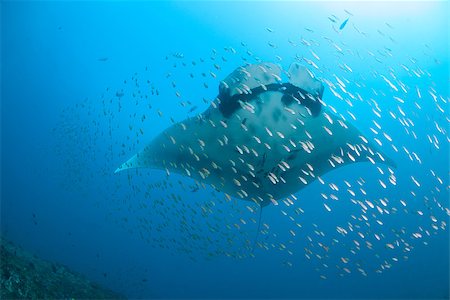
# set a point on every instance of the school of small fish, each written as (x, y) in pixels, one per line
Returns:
(348, 218)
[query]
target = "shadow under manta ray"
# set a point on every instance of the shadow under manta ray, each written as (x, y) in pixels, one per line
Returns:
(261, 139)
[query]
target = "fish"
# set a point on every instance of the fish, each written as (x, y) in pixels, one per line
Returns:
(349, 13)
(316, 146)
(332, 19)
(343, 24)
(193, 108)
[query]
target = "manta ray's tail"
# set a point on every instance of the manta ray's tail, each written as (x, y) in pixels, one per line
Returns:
(259, 228)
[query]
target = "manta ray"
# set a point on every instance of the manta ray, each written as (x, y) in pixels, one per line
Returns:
(263, 138)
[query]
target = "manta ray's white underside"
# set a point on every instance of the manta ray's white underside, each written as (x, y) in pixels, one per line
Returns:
(259, 146)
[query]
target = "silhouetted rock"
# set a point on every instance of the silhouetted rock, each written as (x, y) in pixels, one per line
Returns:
(24, 275)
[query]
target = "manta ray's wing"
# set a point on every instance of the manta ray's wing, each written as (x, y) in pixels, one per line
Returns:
(262, 139)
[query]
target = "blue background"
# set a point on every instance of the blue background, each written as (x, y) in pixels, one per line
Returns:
(63, 64)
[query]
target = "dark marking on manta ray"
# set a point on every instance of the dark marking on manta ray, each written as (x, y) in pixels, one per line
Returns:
(293, 155)
(263, 159)
(276, 114)
(276, 170)
(228, 105)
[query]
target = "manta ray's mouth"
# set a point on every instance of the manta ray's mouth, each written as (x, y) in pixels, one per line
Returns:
(229, 104)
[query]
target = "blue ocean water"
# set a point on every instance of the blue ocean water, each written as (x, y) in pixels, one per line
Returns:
(85, 85)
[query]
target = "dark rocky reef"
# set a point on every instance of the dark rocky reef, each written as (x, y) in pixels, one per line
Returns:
(24, 276)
